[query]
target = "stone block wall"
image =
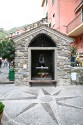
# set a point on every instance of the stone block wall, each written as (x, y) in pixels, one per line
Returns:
(63, 62)
(21, 58)
(63, 57)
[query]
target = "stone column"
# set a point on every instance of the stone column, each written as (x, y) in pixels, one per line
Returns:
(21, 63)
(63, 63)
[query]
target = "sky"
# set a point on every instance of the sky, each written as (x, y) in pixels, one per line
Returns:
(14, 13)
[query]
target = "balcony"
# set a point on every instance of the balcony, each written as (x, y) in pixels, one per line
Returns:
(75, 27)
(80, 5)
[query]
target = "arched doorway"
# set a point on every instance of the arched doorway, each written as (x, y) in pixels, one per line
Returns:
(42, 64)
(42, 40)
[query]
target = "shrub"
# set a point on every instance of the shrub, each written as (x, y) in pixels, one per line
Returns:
(1, 107)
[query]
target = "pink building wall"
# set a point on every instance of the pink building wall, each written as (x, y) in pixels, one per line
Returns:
(64, 13)
(79, 43)
(77, 2)
(52, 9)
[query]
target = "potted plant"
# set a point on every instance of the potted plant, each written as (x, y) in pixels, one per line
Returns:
(1, 110)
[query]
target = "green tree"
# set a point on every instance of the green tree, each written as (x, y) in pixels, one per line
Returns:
(7, 49)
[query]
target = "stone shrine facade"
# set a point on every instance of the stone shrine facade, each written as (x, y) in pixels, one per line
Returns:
(61, 55)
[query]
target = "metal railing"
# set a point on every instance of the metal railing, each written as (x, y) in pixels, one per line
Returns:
(75, 22)
(79, 5)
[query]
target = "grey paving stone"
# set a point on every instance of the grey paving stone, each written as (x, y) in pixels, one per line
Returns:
(42, 105)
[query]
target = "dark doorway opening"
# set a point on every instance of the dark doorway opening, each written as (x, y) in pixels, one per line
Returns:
(42, 64)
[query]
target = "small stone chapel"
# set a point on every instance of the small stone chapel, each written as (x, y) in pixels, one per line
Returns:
(42, 55)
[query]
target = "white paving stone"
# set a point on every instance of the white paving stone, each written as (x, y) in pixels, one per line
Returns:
(42, 105)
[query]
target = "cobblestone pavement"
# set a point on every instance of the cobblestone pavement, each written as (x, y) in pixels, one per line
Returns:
(42, 105)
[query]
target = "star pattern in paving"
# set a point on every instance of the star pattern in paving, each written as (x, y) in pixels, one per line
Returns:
(44, 98)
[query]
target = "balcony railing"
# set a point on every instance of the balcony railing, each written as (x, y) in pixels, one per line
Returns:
(80, 5)
(75, 23)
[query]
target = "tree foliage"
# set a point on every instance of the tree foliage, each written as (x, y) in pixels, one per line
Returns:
(3, 33)
(7, 49)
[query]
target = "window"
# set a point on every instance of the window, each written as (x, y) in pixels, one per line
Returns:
(53, 25)
(46, 2)
(54, 15)
(53, 2)
(47, 15)
(82, 14)
(17, 33)
(50, 25)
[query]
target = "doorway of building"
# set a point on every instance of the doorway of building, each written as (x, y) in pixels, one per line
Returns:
(42, 65)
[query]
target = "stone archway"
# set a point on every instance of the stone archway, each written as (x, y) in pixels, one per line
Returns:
(42, 46)
(42, 40)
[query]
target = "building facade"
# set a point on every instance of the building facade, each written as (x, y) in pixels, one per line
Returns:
(42, 55)
(66, 16)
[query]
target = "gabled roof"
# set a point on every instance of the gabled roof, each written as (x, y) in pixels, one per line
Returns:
(46, 29)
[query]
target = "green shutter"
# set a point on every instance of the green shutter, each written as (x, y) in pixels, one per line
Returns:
(53, 2)
(46, 2)
(47, 15)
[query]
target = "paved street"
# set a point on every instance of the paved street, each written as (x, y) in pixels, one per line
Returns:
(42, 105)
